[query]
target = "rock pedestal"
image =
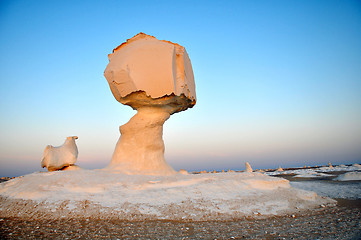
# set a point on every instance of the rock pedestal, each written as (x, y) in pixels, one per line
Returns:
(140, 149)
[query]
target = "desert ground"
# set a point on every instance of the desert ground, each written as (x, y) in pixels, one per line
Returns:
(338, 222)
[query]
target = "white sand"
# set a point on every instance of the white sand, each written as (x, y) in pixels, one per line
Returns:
(350, 176)
(194, 196)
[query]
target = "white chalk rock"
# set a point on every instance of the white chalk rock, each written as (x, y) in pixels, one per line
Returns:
(183, 171)
(56, 158)
(155, 78)
(140, 148)
(157, 68)
(356, 165)
(349, 176)
(248, 167)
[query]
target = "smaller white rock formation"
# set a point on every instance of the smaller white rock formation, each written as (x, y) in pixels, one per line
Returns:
(330, 165)
(356, 165)
(57, 158)
(248, 167)
(349, 176)
(183, 171)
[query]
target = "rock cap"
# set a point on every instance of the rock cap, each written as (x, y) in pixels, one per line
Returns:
(145, 71)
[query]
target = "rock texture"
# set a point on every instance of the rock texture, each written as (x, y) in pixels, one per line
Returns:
(248, 167)
(158, 68)
(155, 78)
(57, 158)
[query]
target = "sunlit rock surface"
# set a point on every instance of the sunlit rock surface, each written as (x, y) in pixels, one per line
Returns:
(158, 68)
(183, 171)
(155, 78)
(57, 158)
(107, 195)
(248, 167)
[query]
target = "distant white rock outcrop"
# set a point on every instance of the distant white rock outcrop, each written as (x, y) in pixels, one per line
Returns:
(183, 171)
(349, 176)
(57, 158)
(248, 167)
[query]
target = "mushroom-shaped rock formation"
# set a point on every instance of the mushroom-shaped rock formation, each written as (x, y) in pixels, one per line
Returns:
(155, 78)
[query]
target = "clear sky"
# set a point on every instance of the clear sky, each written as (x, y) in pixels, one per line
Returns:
(277, 82)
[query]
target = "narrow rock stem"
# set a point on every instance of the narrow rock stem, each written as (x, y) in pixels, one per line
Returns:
(140, 148)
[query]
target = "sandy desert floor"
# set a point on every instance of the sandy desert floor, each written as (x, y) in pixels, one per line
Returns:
(339, 222)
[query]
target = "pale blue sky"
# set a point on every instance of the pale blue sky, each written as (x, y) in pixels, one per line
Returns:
(278, 82)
